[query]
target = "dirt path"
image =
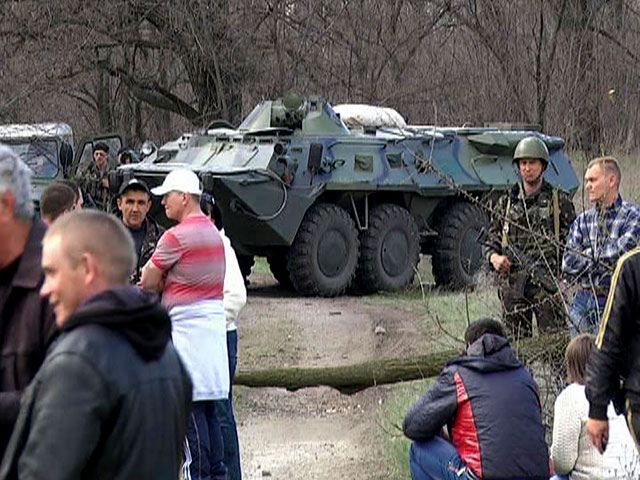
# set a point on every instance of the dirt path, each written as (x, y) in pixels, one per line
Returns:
(314, 433)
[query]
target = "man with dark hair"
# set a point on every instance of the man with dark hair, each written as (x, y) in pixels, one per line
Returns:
(112, 397)
(134, 202)
(27, 322)
(94, 180)
(480, 327)
(490, 407)
(78, 200)
(56, 199)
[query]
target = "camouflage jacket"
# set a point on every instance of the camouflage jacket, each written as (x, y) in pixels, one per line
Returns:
(530, 228)
(90, 180)
(151, 238)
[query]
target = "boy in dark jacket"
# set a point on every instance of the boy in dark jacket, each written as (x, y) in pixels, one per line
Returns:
(490, 406)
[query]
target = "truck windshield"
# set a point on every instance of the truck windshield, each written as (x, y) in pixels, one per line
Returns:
(41, 156)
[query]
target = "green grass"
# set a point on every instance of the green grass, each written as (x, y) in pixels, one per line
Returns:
(261, 266)
(395, 444)
(443, 316)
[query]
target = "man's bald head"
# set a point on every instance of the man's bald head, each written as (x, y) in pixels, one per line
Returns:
(101, 235)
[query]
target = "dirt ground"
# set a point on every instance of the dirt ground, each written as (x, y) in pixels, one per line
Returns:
(315, 433)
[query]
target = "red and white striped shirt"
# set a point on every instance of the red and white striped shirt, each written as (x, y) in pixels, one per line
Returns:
(191, 254)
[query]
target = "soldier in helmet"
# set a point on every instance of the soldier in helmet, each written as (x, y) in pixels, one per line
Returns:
(526, 240)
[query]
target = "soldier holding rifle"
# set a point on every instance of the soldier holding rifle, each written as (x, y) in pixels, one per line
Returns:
(526, 240)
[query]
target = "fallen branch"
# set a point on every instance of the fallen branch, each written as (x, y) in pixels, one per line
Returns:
(349, 379)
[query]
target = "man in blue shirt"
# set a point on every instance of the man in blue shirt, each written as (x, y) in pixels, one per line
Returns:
(597, 239)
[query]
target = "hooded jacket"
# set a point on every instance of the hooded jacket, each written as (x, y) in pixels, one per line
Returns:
(490, 405)
(111, 400)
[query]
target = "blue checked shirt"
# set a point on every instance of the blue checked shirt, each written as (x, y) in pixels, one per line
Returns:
(596, 241)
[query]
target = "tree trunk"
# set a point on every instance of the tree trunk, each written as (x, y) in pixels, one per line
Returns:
(349, 379)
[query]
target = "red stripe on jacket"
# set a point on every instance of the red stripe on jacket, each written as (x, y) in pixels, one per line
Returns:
(464, 433)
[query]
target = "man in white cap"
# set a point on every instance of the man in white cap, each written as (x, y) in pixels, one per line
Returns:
(188, 267)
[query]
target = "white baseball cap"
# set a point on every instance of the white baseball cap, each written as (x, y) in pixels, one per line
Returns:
(179, 180)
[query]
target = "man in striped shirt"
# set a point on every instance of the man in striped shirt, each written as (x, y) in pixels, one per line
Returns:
(188, 266)
(597, 239)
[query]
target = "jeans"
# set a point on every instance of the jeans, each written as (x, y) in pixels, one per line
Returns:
(586, 312)
(204, 452)
(224, 413)
(436, 459)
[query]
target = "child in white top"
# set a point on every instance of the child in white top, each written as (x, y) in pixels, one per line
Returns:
(572, 452)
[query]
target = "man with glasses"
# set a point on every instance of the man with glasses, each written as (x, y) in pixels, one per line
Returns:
(27, 320)
(188, 267)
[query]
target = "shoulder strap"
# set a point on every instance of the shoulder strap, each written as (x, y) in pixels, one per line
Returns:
(505, 227)
(556, 221)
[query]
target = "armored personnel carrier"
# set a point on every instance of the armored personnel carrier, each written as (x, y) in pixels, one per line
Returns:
(332, 205)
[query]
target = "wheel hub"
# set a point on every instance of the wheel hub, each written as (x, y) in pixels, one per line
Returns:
(333, 253)
(393, 253)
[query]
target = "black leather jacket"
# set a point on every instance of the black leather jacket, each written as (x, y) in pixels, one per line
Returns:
(618, 355)
(111, 400)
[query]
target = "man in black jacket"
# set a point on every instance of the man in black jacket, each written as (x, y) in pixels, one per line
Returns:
(111, 400)
(26, 320)
(613, 372)
(489, 403)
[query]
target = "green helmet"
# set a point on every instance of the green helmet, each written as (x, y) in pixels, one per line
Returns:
(531, 147)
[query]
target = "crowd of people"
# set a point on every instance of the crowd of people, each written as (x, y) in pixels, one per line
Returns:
(99, 378)
(482, 417)
(119, 337)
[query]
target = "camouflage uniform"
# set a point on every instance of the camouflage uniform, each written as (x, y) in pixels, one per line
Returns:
(153, 233)
(90, 180)
(531, 232)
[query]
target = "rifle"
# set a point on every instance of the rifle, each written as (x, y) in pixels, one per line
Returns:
(537, 272)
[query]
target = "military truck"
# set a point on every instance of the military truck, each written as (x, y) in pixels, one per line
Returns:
(48, 150)
(332, 207)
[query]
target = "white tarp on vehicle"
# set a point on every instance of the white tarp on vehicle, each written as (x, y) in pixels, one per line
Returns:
(369, 116)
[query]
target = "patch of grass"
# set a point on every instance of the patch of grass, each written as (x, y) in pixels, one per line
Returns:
(443, 315)
(261, 266)
(396, 445)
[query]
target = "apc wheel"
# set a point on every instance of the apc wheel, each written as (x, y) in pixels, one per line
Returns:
(278, 266)
(456, 255)
(389, 250)
(324, 254)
